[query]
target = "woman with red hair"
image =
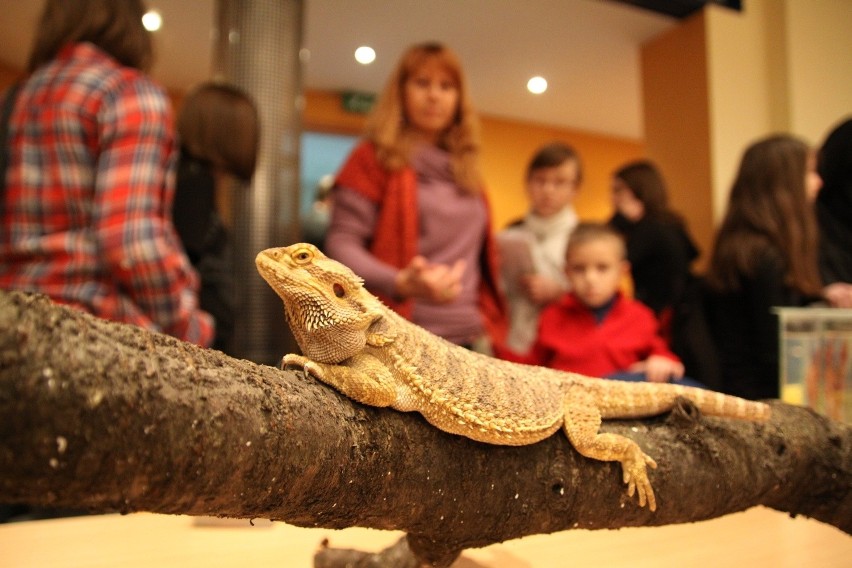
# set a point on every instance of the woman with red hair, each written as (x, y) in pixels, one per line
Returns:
(410, 213)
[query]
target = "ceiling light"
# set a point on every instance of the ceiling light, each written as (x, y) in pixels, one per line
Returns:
(152, 20)
(365, 55)
(537, 85)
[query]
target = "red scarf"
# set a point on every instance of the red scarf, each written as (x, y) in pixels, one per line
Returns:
(395, 236)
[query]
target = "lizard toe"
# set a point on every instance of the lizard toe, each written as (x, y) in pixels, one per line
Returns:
(635, 475)
(646, 494)
(311, 368)
(293, 362)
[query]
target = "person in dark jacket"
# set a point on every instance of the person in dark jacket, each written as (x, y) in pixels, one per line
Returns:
(219, 130)
(834, 211)
(659, 247)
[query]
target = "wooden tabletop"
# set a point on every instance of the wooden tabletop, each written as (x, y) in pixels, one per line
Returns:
(758, 537)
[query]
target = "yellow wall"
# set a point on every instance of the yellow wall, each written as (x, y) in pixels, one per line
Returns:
(819, 51)
(323, 112)
(677, 127)
(742, 81)
(507, 146)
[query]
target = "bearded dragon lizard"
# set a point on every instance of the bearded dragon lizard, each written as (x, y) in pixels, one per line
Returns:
(353, 342)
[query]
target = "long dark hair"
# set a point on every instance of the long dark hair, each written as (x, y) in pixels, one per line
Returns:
(115, 26)
(768, 209)
(647, 184)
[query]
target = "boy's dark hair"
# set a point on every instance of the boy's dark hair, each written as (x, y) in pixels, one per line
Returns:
(115, 26)
(553, 155)
(587, 232)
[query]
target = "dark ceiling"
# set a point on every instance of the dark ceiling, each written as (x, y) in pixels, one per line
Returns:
(680, 8)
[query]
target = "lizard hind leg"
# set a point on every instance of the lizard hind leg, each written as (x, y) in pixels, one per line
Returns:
(581, 424)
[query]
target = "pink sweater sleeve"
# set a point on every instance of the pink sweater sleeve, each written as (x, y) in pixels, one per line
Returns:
(353, 219)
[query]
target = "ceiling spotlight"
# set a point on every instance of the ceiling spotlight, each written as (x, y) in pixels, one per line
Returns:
(537, 85)
(152, 20)
(365, 55)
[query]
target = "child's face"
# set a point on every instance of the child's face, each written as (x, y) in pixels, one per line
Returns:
(552, 189)
(595, 269)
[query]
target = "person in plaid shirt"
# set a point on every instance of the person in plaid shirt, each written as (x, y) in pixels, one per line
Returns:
(86, 215)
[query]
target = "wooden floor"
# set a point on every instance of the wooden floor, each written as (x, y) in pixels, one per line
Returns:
(756, 538)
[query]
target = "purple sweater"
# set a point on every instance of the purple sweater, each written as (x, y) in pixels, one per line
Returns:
(452, 226)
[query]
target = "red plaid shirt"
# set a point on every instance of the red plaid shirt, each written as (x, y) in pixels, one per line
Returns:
(89, 189)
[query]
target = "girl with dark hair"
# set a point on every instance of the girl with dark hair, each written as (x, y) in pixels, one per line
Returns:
(765, 256)
(88, 196)
(659, 247)
(410, 215)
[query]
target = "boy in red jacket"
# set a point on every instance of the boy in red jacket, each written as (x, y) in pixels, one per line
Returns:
(594, 329)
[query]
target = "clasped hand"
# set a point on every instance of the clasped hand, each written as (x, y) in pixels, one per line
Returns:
(540, 289)
(436, 283)
(838, 295)
(659, 369)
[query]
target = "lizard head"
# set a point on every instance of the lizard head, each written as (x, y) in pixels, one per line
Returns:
(327, 306)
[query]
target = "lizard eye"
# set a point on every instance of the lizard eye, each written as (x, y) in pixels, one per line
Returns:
(339, 291)
(302, 256)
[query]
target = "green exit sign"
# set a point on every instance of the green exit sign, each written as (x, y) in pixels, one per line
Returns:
(357, 102)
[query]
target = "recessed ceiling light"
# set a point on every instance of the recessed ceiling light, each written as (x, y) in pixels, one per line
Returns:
(152, 20)
(365, 55)
(537, 85)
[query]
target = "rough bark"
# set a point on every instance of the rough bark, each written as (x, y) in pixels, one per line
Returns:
(110, 417)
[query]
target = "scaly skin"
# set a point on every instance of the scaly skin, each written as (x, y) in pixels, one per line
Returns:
(354, 343)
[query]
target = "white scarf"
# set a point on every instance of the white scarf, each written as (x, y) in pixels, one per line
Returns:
(559, 224)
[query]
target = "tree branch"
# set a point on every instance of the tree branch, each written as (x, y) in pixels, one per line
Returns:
(109, 417)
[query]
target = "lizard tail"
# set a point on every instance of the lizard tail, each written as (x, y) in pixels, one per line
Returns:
(636, 400)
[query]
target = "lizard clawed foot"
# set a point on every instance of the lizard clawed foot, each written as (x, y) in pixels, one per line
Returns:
(636, 477)
(293, 362)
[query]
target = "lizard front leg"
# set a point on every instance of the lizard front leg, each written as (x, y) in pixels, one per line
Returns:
(582, 423)
(362, 378)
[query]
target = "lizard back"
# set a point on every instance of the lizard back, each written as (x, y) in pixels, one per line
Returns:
(474, 395)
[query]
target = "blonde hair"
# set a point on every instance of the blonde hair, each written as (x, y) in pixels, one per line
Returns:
(388, 129)
(589, 232)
